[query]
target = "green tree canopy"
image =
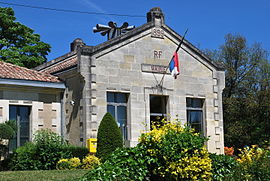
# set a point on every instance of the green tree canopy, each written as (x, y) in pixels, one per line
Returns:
(246, 102)
(18, 43)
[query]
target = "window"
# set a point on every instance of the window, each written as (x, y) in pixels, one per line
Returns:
(21, 115)
(195, 113)
(158, 109)
(117, 106)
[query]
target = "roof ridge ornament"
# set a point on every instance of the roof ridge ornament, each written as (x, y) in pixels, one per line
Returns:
(112, 30)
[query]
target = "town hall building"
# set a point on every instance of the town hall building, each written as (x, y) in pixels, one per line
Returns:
(128, 77)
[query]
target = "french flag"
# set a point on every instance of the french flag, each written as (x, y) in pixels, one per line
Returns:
(174, 65)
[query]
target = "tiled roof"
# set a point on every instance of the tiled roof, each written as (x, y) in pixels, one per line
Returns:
(10, 71)
(62, 65)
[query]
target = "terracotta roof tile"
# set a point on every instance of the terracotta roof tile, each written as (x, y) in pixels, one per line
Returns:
(10, 71)
(60, 65)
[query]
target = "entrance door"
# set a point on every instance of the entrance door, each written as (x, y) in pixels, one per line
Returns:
(158, 109)
(22, 116)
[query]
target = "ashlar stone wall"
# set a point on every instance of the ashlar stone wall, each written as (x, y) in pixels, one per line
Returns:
(123, 68)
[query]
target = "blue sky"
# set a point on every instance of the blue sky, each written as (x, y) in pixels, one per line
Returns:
(208, 21)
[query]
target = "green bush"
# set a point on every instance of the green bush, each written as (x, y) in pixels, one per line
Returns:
(76, 151)
(222, 166)
(46, 150)
(50, 148)
(123, 164)
(42, 154)
(6, 131)
(109, 136)
(175, 152)
(170, 152)
(26, 158)
(12, 124)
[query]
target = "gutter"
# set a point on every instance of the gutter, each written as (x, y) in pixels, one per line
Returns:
(33, 83)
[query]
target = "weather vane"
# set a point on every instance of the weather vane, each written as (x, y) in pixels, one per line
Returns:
(112, 30)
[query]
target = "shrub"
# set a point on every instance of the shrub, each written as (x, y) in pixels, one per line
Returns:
(68, 164)
(62, 164)
(254, 164)
(123, 164)
(50, 148)
(170, 152)
(42, 154)
(90, 162)
(46, 150)
(222, 166)
(109, 136)
(74, 163)
(176, 153)
(26, 158)
(6, 131)
(12, 124)
(76, 151)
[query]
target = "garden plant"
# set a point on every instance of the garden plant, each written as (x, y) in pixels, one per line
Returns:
(44, 152)
(169, 152)
(109, 136)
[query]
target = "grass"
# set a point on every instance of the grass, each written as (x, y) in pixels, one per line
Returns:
(42, 175)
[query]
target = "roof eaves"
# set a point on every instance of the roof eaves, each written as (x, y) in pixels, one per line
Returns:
(32, 83)
(63, 70)
(55, 61)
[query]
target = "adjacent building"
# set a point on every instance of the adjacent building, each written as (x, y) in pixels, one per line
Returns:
(31, 98)
(128, 77)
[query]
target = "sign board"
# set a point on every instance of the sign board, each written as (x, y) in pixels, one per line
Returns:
(151, 68)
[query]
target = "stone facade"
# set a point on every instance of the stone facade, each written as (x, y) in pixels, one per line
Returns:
(32, 99)
(134, 64)
(44, 105)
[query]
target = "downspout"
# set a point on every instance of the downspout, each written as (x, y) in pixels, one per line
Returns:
(62, 117)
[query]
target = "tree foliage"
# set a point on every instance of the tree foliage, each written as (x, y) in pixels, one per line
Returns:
(109, 136)
(246, 95)
(18, 43)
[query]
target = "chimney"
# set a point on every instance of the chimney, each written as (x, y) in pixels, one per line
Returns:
(76, 44)
(155, 15)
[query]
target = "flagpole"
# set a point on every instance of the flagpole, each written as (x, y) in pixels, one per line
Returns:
(178, 47)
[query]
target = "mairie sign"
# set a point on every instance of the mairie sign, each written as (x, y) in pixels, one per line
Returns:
(154, 68)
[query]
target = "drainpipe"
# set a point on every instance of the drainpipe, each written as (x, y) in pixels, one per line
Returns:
(62, 117)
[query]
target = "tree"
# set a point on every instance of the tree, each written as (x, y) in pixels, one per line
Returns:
(109, 136)
(18, 43)
(245, 103)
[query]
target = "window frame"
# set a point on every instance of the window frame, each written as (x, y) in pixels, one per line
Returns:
(164, 110)
(124, 129)
(19, 136)
(199, 109)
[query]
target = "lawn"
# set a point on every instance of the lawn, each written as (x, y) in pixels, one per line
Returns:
(41, 175)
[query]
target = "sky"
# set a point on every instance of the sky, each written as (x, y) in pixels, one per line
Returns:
(207, 21)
